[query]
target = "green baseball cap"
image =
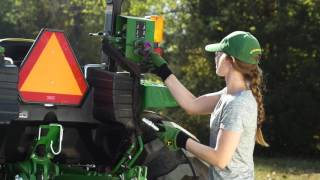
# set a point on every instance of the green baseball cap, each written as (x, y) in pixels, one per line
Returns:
(239, 44)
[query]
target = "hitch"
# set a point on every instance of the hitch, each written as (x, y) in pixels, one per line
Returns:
(39, 165)
(48, 144)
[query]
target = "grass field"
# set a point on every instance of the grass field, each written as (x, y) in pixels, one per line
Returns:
(287, 169)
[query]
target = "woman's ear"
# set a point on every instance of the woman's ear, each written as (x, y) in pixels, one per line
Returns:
(231, 61)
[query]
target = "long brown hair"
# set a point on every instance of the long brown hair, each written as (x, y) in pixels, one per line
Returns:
(253, 74)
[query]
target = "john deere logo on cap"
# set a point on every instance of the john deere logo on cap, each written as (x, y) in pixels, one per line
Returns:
(255, 50)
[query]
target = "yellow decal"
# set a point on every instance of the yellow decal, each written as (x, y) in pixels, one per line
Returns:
(255, 50)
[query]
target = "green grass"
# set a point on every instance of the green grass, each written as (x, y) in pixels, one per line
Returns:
(287, 169)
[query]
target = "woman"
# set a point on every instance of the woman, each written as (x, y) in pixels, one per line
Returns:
(236, 111)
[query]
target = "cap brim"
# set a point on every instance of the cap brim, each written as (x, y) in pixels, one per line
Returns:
(213, 47)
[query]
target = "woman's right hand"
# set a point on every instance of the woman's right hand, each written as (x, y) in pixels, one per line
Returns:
(143, 48)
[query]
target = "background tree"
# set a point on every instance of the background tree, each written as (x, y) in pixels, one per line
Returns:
(25, 18)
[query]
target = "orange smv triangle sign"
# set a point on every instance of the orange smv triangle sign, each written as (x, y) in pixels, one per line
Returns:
(50, 72)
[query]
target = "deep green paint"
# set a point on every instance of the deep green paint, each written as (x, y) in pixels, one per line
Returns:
(156, 95)
(138, 171)
(38, 165)
(129, 157)
(138, 153)
(126, 29)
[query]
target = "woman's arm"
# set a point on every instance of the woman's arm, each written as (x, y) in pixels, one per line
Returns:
(193, 105)
(221, 155)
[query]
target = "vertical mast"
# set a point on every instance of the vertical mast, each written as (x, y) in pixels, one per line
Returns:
(113, 9)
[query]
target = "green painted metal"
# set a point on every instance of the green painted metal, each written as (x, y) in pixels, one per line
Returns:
(138, 171)
(130, 29)
(124, 159)
(129, 157)
(39, 164)
(156, 95)
(81, 177)
(67, 173)
(2, 50)
(48, 144)
(138, 153)
(78, 173)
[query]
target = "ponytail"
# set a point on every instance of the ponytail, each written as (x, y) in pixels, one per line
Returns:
(253, 74)
(256, 88)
